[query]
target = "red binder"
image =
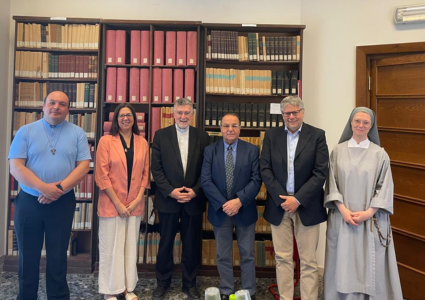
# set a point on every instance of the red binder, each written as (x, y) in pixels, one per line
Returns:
(135, 47)
(170, 49)
(158, 48)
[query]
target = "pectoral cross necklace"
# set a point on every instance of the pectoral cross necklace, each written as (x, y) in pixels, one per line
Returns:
(50, 138)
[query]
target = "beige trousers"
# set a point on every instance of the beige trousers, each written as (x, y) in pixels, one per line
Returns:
(307, 238)
(118, 239)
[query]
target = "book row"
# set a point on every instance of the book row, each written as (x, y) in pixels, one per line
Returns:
(83, 216)
(47, 65)
(32, 94)
(151, 240)
(229, 45)
(264, 253)
(251, 82)
(168, 85)
(58, 36)
(170, 48)
(251, 115)
(87, 121)
(12, 243)
(84, 190)
(13, 250)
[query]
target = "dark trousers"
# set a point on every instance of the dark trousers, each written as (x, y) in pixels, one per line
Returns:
(33, 222)
(191, 235)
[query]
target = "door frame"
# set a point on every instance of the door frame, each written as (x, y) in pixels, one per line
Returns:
(364, 54)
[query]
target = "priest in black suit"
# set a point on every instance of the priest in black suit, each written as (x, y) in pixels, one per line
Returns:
(294, 165)
(177, 154)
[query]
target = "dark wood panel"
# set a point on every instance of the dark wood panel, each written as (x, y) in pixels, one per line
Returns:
(409, 182)
(405, 246)
(409, 216)
(404, 146)
(412, 283)
(401, 113)
(405, 79)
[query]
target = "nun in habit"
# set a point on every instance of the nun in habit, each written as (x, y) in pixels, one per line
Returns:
(360, 261)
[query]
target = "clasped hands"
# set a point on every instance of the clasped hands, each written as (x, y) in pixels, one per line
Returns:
(50, 192)
(290, 204)
(183, 194)
(125, 210)
(354, 218)
(232, 207)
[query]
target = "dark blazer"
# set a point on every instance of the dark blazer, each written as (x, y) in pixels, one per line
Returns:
(310, 168)
(246, 182)
(167, 169)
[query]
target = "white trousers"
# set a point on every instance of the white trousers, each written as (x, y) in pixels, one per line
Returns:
(118, 239)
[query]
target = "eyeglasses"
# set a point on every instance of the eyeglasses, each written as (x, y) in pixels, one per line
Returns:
(227, 126)
(294, 113)
(129, 116)
(181, 113)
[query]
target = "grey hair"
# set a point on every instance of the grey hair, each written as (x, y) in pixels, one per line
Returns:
(291, 100)
(183, 102)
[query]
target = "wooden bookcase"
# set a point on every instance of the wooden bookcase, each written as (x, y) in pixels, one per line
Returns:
(227, 39)
(62, 54)
(237, 74)
(148, 101)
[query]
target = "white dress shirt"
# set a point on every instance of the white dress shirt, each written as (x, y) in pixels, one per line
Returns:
(183, 139)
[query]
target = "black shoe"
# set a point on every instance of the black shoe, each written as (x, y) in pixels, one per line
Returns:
(160, 292)
(224, 297)
(192, 293)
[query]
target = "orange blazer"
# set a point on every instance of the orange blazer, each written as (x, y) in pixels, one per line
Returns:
(111, 171)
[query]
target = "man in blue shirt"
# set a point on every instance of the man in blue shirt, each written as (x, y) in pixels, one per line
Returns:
(231, 180)
(48, 158)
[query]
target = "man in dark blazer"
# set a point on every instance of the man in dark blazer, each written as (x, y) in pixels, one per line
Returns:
(294, 164)
(231, 181)
(177, 153)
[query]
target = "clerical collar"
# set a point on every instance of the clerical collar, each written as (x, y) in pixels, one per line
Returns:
(50, 125)
(182, 130)
(363, 144)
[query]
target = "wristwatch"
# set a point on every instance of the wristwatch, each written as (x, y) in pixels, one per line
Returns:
(59, 187)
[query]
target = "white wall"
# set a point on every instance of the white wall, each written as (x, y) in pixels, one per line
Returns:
(4, 128)
(334, 29)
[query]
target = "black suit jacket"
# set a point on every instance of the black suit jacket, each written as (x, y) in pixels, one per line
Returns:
(167, 169)
(310, 169)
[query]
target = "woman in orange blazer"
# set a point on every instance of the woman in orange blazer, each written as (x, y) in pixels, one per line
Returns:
(122, 174)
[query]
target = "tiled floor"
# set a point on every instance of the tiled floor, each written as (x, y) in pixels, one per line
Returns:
(85, 287)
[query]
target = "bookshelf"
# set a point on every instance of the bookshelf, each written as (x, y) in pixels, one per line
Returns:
(246, 69)
(149, 64)
(53, 54)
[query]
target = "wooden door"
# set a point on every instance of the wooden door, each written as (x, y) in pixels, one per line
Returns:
(397, 95)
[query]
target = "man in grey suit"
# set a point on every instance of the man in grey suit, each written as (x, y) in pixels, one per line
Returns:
(294, 165)
(231, 181)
